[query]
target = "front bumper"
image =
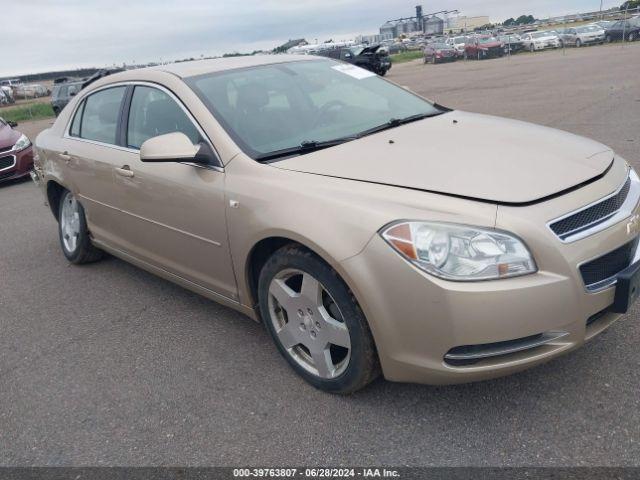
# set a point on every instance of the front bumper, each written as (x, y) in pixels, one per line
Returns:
(419, 321)
(18, 164)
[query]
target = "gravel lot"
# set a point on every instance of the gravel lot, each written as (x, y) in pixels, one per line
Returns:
(108, 365)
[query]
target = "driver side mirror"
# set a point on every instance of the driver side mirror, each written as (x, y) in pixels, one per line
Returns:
(175, 147)
(12, 124)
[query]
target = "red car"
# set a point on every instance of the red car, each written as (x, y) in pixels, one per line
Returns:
(16, 153)
(439, 52)
(483, 47)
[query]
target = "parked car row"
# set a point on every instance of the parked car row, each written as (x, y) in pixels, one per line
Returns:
(492, 45)
(31, 91)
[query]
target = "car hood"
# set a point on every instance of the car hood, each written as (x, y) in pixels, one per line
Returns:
(8, 136)
(467, 155)
(371, 49)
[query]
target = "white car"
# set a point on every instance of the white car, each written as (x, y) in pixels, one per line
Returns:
(458, 43)
(540, 40)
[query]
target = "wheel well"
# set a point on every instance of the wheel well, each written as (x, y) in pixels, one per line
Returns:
(259, 256)
(54, 194)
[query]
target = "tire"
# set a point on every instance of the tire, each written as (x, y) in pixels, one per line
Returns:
(631, 37)
(72, 231)
(465, 56)
(303, 326)
(56, 111)
(578, 43)
(608, 39)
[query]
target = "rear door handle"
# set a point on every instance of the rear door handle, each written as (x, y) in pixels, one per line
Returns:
(125, 171)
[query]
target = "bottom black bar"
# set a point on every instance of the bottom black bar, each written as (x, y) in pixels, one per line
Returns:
(223, 473)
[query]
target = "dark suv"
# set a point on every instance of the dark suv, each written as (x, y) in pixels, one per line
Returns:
(62, 94)
(372, 58)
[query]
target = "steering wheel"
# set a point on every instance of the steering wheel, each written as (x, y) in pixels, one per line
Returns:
(326, 109)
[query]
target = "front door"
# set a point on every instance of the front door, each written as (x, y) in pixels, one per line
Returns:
(172, 214)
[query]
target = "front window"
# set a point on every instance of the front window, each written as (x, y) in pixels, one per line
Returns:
(154, 113)
(276, 107)
(487, 40)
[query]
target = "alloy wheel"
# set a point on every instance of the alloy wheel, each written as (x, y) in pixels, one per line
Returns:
(308, 323)
(70, 223)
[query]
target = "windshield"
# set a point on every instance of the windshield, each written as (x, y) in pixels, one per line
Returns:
(439, 46)
(270, 108)
(487, 40)
(459, 39)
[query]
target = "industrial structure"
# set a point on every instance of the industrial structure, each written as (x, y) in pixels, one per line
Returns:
(429, 23)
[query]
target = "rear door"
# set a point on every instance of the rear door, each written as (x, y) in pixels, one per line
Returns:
(89, 153)
(172, 215)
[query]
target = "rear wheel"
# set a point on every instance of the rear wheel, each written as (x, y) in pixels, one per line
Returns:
(316, 322)
(72, 229)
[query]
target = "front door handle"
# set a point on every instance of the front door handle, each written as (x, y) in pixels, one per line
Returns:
(65, 156)
(125, 171)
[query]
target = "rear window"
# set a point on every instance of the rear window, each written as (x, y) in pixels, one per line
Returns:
(100, 115)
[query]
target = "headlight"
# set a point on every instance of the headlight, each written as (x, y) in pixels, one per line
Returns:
(458, 252)
(22, 143)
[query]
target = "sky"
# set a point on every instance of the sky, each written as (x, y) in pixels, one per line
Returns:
(45, 35)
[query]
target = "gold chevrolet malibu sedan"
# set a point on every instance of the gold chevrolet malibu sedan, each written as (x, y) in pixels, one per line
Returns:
(370, 229)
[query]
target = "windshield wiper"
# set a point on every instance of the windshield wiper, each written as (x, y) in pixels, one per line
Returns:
(306, 146)
(309, 146)
(396, 122)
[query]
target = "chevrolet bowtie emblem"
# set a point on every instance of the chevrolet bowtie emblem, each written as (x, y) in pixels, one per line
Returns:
(633, 224)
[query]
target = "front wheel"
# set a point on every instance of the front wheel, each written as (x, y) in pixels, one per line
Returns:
(578, 43)
(631, 37)
(72, 229)
(315, 322)
(608, 39)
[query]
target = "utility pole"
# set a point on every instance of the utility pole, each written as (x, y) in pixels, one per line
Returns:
(601, 17)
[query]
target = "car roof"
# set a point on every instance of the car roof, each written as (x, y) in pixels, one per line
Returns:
(201, 67)
(194, 68)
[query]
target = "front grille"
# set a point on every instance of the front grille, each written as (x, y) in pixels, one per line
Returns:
(6, 149)
(592, 215)
(607, 266)
(6, 162)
